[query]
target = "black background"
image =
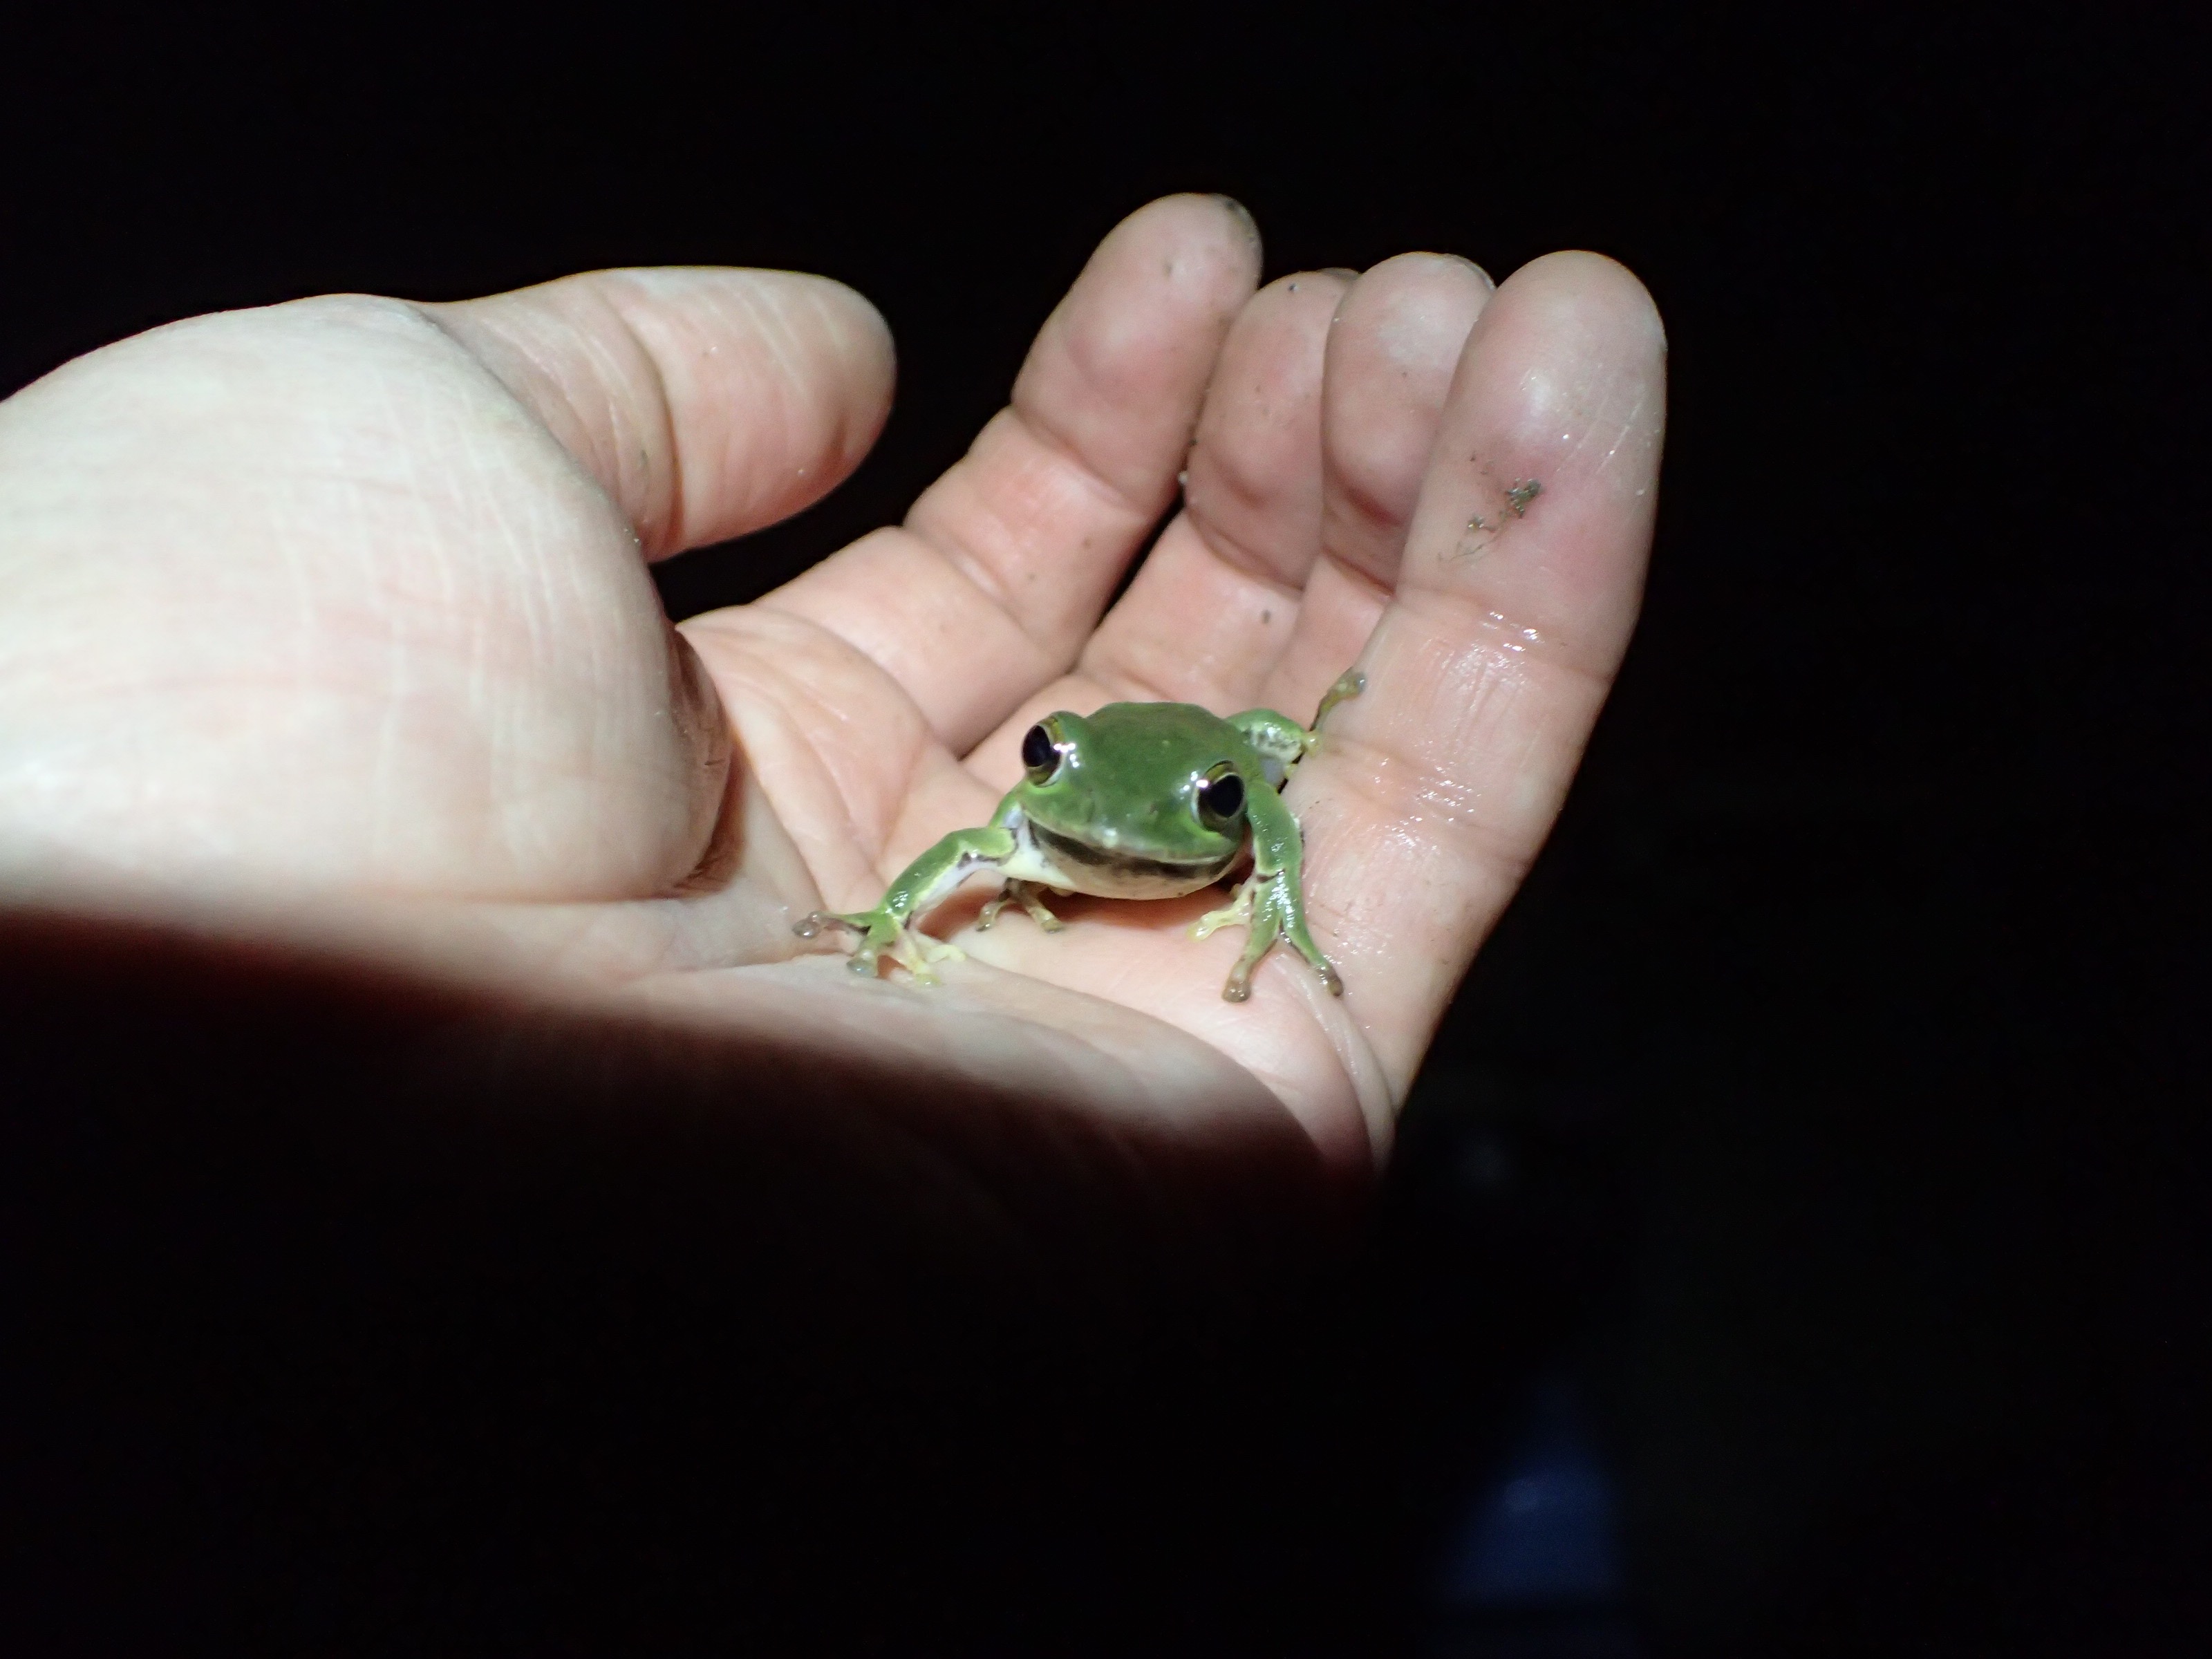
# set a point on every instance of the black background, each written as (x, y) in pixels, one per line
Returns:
(1827, 1102)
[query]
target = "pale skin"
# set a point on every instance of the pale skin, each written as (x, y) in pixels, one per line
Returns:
(331, 620)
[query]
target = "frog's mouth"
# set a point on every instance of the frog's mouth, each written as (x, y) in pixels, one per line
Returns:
(1076, 866)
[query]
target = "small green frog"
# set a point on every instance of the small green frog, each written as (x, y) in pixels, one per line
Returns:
(1138, 801)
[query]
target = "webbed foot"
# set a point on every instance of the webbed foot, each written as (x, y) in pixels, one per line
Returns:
(883, 934)
(1264, 907)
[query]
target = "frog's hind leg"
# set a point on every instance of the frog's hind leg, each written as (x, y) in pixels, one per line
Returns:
(1271, 902)
(1030, 895)
(1277, 914)
(1267, 908)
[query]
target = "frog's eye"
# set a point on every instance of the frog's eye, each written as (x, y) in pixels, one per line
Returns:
(1041, 750)
(1221, 798)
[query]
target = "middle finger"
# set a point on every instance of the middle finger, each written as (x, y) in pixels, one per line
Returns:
(1392, 350)
(1215, 604)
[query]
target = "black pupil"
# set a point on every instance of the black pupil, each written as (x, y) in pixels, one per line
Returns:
(1038, 750)
(1225, 796)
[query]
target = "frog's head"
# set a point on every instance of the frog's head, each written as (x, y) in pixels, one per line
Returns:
(1156, 782)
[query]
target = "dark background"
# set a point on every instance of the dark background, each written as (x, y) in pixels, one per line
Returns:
(1824, 1122)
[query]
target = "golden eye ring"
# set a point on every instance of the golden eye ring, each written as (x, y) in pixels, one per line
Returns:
(1043, 751)
(1221, 797)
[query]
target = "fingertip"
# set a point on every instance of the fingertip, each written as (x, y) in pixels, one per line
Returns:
(1119, 367)
(1420, 302)
(1186, 260)
(850, 323)
(1246, 224)
(1540, 493)
(1598, 285)
(866, 367)
(1397, 336)
(1567, 367)
(1481, 275)
(1208, 249)
(1252, 487)
(778, 384)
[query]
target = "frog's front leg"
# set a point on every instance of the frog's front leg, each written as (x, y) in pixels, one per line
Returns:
(1280, 740)
(890, 928)
(1271, 904)
(1349, 685)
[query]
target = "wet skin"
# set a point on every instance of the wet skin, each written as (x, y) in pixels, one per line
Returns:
(1139, 800)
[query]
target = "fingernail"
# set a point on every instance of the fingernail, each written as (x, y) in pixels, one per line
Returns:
(1243, 216)
(1488, 281)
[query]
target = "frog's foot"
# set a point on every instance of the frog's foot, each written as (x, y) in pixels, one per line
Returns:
(1349, 685)
(1031, 895)
(1268, 907)
(914, 950)
(1028, 895)
(883, 934)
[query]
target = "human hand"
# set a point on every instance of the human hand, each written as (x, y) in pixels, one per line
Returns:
(348, 600)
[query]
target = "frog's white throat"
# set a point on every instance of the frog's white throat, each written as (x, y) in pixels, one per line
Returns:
(1075, 866)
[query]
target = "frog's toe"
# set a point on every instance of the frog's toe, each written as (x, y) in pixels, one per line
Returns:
(816, 921)
(1238, 915)
(1321, 964)
(925, 975)
(915, 951)
(1028, 895)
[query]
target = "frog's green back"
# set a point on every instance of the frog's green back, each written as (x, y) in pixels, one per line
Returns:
(1133, 775)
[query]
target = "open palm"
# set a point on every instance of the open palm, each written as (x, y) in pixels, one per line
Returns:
(349, 598)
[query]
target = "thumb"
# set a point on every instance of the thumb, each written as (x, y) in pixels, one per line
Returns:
(706, 402)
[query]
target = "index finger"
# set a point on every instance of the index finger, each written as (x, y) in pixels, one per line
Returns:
(1523, 568)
